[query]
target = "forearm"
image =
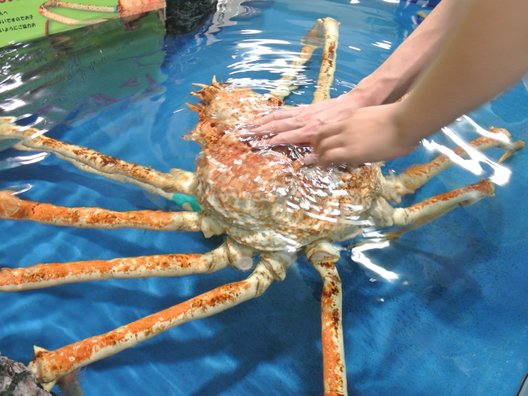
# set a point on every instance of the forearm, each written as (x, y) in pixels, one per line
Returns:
(487, 52)
(393, 78)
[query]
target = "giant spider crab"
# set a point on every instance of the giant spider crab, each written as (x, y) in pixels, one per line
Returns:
(263, 199)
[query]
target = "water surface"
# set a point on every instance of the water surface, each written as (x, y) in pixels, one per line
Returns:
(453, 322)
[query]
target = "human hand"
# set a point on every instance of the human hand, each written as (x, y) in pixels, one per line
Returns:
(370, 134)
(300, 125)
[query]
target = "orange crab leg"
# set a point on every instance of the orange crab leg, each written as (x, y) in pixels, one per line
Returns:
(48, 366)
(88, 160)
(14, 208)
(330, 32)
(53, 274)
(416, 176)
(431, 208)
(334, 371)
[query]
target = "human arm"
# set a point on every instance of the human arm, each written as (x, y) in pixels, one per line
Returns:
(387, 83)
(392, 79)
(486, 53)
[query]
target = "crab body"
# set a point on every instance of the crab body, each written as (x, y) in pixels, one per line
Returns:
(263, 196)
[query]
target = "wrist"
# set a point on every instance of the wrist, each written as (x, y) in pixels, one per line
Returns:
(362, 96)
(407, 129)
(376, 89)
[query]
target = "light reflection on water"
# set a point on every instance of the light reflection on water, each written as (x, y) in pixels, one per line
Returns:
(446, 314)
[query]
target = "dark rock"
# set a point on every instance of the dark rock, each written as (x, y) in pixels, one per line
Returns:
(17, 380)
(184, 16)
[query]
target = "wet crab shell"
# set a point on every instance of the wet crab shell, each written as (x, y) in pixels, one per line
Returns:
(264, 197)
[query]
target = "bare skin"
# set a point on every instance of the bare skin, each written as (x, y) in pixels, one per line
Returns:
(470, 52)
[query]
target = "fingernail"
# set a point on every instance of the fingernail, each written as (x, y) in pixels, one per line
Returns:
(245, 132)
(274, 140)
(310, 159)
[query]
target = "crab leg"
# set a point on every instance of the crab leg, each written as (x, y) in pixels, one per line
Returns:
(324, 258)
(125, 9)
(71, 21)
(330, 29)
(48, 366)
(431, 208)
(416, 176)
(88, 160)
(53, 274)
(14, 208)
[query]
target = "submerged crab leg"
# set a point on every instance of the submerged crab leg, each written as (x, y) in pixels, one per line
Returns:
(13, 208)
(324, 260)
(330, 30)
(53, 274)
(431, 208)
(416, 176)
(48, 366)
(88, 160)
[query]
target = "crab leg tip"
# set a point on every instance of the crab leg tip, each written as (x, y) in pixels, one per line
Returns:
(193, 107)
(515, 146)
(35, 368)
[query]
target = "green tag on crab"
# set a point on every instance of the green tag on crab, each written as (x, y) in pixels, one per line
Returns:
(23, 20)
(187, 202)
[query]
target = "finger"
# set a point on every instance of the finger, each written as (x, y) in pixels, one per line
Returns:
(329, 143)
(310, 159)
(327, 130)
(276, 115)
(296, 136)
(272, 116)
(335, 156)
(279, 126)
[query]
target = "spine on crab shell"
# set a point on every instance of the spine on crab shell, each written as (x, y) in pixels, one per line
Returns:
(206, 94)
